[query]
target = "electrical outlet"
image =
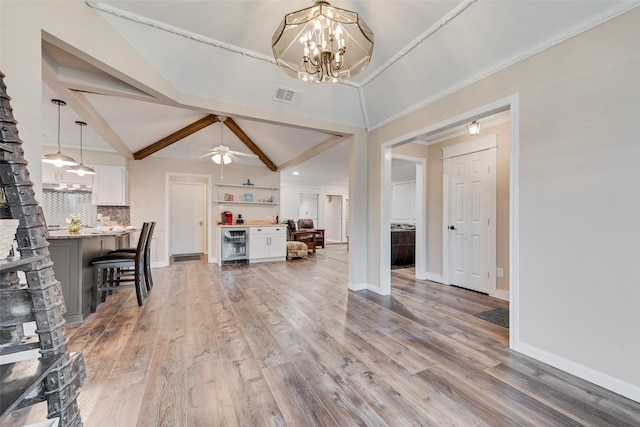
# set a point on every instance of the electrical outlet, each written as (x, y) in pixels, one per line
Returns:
(500, 272)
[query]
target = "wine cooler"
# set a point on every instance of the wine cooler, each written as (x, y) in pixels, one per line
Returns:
(235, 246)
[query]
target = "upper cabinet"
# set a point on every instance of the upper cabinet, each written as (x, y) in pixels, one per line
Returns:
(110, 186)
(51, 174)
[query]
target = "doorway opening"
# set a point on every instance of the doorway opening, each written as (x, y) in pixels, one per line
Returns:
(435, 257)
(188, 216)
(333, 223)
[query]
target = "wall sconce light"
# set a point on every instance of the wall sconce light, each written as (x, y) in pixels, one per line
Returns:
(473, 128)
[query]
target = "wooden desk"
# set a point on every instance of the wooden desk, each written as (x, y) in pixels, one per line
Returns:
(307, 237)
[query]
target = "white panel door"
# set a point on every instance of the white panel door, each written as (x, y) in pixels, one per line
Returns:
(472, 186)
(187, 216)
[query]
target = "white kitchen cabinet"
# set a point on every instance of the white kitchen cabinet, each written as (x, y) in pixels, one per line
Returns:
(51, 174)
(267, 243)
(110, 187)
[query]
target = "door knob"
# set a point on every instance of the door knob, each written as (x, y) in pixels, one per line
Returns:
(452, 227)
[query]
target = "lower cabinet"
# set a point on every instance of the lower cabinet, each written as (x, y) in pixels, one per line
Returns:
(267, 243)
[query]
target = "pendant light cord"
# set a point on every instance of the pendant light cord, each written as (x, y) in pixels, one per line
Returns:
(58, 127)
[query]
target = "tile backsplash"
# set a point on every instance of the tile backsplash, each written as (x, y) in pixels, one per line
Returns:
(120, 214)
(58, 205)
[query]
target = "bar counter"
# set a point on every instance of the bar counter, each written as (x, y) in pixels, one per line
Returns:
(72, 253)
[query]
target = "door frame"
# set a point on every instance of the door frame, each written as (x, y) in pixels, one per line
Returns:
(200, 192)
(511, 103)
(420, 211)
(171, 176)
(488, 142)
(340, 220)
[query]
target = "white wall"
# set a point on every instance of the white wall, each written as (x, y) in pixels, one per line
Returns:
(576, 302)
(403, 202)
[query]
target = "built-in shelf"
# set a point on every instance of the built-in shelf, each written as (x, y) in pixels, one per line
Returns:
(241, 202)
(265, 196)
(248, 187)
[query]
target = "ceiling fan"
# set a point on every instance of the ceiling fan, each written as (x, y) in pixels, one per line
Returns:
(223, 155)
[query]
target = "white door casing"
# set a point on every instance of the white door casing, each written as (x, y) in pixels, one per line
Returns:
(187, 217)
(333, 219)
(470, 214)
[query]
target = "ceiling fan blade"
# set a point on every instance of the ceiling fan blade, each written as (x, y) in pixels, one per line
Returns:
(233, 157)
(239, 153)
(207, 154)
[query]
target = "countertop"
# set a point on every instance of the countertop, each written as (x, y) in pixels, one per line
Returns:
(249, 224)
(89, 233)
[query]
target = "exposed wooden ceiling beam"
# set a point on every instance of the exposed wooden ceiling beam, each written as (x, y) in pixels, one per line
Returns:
(314, 151)
(233, 126)
(175, 137)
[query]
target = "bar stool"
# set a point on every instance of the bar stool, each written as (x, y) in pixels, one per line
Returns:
(148, 279)
(111, 271)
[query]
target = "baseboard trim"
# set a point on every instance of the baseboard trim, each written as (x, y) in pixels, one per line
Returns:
(601, 379)
(432, 277)
(503, 295)
(156, 264)
(357, 287)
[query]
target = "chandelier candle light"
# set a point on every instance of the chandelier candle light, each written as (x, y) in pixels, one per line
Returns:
(322, 44)
(58, 158)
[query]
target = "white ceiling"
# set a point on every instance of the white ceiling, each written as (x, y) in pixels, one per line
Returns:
(222, 50)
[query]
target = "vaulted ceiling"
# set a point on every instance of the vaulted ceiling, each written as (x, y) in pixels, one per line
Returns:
(221, 50)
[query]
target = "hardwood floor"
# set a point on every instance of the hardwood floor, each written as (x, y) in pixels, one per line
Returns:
(287, 344)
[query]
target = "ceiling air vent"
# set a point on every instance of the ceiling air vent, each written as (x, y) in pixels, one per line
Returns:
(288, 96)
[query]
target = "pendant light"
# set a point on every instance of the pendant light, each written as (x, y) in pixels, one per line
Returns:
(58, 158)
(81, 169)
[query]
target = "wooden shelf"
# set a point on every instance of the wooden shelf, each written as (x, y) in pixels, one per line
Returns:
(258, 187)
(240, 202)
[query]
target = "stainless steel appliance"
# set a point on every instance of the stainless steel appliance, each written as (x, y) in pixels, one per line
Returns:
(235, 245)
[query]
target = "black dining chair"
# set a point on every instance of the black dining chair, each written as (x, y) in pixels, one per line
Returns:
(148, 279)
(120, 270)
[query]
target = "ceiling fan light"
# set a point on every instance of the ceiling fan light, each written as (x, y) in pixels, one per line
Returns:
(217, 158)
(226, 159)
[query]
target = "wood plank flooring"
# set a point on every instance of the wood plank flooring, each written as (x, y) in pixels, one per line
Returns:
(286, 343)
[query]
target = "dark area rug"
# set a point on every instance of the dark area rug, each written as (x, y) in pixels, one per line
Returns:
(177, 258)
(499, 316)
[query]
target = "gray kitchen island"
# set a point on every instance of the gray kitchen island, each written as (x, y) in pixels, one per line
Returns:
(71, 254)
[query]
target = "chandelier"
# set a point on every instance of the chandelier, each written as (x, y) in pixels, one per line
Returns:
(322, 44)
